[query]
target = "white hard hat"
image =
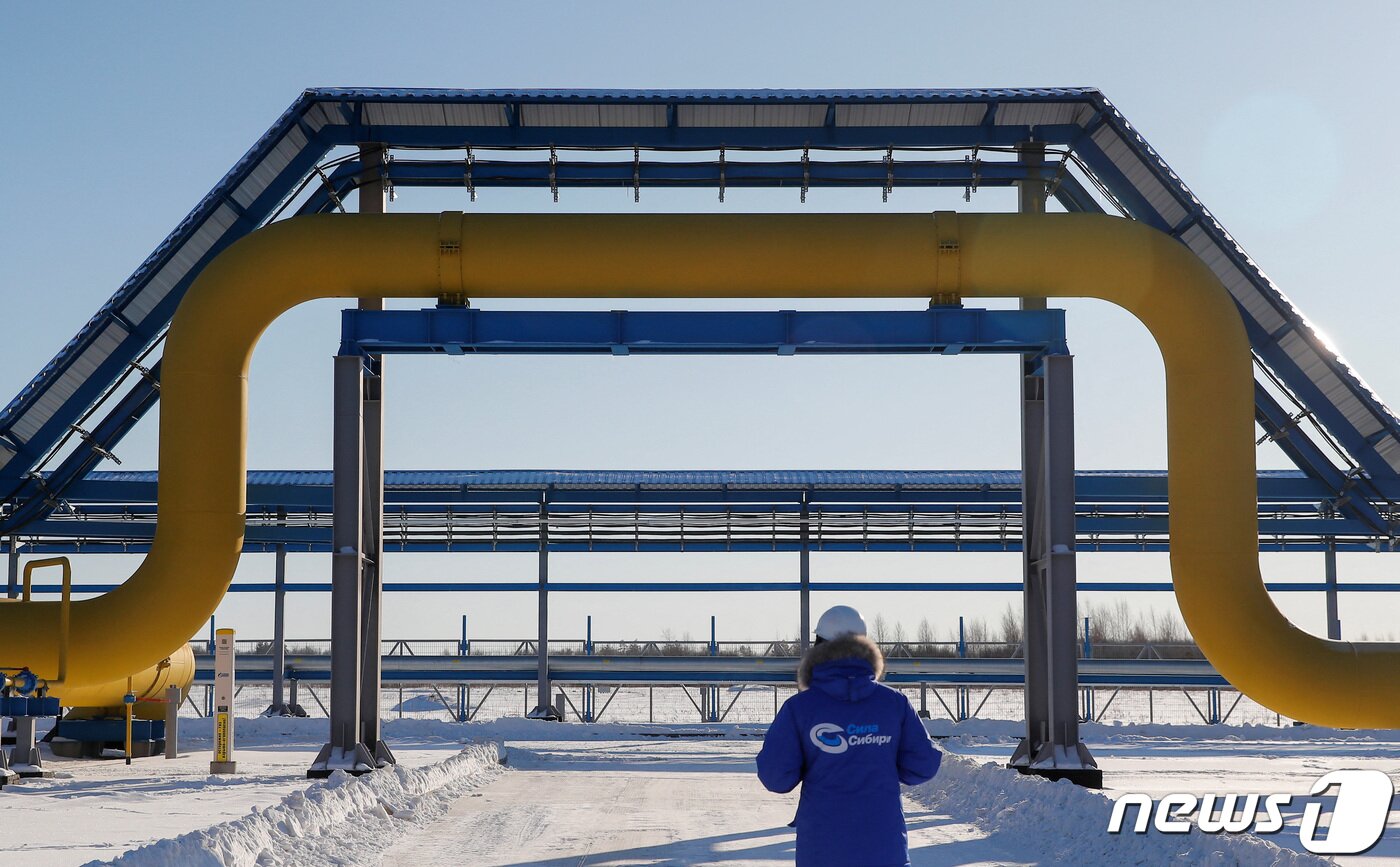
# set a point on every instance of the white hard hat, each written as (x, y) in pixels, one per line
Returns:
(839, 621)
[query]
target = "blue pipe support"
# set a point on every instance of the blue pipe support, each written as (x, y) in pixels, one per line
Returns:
(941, 330)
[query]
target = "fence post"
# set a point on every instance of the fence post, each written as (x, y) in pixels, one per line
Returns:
(172, 722)
(278, 706)
(1088, 690)
(1334, 623)
(12, 587)
(714, 690)
(588, 692)
(963, 694)
(462, 688)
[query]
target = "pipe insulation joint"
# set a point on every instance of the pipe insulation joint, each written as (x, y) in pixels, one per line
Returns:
(947, 263)
(451, 289)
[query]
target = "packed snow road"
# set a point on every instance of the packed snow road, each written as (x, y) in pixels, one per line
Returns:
(651, 801)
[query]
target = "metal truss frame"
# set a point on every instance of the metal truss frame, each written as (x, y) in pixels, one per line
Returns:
(514, 138)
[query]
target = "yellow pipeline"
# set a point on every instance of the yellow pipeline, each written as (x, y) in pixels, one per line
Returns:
(1209, 392)
(105, 699)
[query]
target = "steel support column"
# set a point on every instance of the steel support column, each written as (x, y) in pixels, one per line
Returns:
(278, 706)
(25, 758)
(371, 576)
(281, 706)
(373, 199)
(805, 578)
(543, 709)
(1334, 622)
(345, 750)
(12, 588)
(172, 721)
(1051, 747)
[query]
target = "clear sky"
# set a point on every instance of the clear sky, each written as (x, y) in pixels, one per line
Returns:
(117, 119)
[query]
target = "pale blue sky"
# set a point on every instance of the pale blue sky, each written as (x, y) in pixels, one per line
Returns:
(1278, 115)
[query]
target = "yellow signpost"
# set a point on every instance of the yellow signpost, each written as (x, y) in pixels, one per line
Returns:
(223, 762)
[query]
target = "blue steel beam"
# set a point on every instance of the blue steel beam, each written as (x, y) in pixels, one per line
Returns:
(38, 496)
(734, 173)
(1361, 449)
(899, 174)
(1354, 495)
(455, 331)
(1115, 532)
(701, 511)
(268, 489)
(772, 516)
(942, 330)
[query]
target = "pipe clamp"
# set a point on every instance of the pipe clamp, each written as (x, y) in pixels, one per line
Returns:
(947, 263)
(451, 291)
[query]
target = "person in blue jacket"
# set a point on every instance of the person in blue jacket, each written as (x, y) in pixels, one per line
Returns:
(850, 740)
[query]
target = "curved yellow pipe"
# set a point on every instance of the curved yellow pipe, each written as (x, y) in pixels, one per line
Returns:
(1207, 358)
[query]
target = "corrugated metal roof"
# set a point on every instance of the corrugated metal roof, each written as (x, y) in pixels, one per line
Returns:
(678, 479)
(692, 96)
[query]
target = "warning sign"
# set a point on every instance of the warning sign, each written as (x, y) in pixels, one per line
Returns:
(221, 749)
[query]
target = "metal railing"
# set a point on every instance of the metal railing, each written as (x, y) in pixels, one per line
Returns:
(976, 649)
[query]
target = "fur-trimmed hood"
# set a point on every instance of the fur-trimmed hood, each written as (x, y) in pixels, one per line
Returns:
(854, 647)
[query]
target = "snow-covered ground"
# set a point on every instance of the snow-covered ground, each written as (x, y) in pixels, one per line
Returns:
(97, 809)
(755, 704)
(625, 793)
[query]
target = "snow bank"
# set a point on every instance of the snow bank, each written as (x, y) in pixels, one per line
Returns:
(258, 731)
(344, 820)
(1061, 822)
(279, 731)
(539, 730)
(276, 731)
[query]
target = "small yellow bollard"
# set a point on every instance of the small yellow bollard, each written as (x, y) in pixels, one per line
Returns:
(129, 702)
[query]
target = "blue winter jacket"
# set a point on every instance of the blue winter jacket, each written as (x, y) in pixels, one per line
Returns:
(850, 741)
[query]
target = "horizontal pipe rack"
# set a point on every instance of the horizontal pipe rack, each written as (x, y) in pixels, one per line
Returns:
(887, 510)
(659, 670)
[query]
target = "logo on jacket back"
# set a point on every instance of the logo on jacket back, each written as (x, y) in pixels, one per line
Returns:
(835, 739)
(829, 738)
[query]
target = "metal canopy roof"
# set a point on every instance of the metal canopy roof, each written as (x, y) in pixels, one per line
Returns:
(780, 480)
(1080, 120)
